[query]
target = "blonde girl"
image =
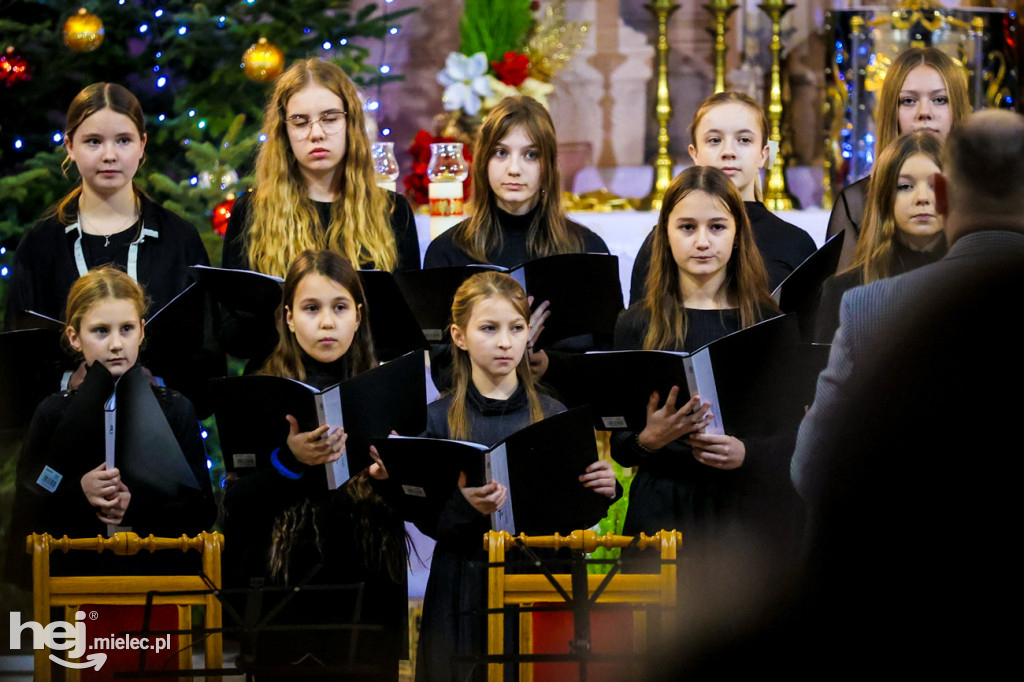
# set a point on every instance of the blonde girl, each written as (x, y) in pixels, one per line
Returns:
(315, 183)
(494, 394)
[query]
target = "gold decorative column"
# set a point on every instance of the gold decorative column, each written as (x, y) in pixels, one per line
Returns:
(719, 11)
(661, 9)
(776, 195)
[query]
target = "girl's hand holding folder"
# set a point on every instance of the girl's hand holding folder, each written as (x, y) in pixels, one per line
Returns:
(667, 423)
(720, 452)
(104, 490)
(315, 447)
(487, 498)
(600, 478)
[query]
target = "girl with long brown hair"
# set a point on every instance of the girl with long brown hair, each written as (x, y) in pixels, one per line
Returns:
(494, 394)
(284, 526)
(902, 228)
(706, 280)
(105, 219)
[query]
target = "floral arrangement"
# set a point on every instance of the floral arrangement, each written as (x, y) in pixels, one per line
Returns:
(509, 47)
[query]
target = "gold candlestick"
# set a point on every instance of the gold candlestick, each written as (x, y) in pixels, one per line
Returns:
(776, 194)
(719, 11)
(661, 9)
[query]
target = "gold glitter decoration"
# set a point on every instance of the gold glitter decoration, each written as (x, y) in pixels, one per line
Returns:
(554, 42)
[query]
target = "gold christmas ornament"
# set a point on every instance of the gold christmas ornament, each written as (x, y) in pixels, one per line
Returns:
(83, 32)
(263, 62)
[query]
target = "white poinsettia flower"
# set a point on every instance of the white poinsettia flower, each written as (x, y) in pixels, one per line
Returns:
(466, 81)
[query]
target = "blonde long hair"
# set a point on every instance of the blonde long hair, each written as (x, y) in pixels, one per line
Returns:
(283, 220)
(96, 286)
(732, 97)
(887, 120)
(746, 279)
(550, 233)
(874, 253)
(478, 288)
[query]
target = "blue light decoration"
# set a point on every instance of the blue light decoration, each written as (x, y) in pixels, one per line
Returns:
(193, 181)
(18, 144)
(384, 68)
(57, 137)
(204, 434)
(262, 138)
(343, 42)
(393, 30)
(326, 45)
(202, 123)
(156, 69)
(3, 250)
(161, 81)
(191, 113)
(372, 105)
(385, 132)
(159, 54)
(869, 138)
(221, 20)
(307, 30)
(143, 28)
(839, 58)
(183, 30)
(209, 463)
(161, 117)
(159, 13)
(4, 271)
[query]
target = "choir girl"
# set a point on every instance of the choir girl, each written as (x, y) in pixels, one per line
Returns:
(63, 484)
(494, 394)
(315, 183)
(315, 189)
(285, 528)
(902, 228)
(517, 207)
(105, 218)
(924, 89)
(729, 132)
(706, 280)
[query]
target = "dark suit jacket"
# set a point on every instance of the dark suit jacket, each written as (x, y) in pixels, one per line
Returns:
(868, 315)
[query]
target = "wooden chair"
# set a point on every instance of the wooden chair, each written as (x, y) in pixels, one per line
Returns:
(71, 591)
(506, 589)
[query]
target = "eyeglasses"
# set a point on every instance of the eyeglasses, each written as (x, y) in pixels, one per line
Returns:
(331, 122)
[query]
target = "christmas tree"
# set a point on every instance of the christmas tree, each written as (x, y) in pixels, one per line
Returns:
(184, 61)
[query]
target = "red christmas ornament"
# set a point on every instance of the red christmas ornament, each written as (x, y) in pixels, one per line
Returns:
(221, 215)
(513, 69)
(13, 68)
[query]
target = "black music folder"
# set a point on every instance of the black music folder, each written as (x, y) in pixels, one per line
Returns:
(31, 365)
(800, 291)
(251, 413)
(742, 375)
(583, 289)
(539, 464)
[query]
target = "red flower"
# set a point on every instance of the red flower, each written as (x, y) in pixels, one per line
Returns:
(513, 70)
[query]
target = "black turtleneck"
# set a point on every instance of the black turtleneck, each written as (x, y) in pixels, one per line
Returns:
(904, 259)
(515, 229)
(320, 375)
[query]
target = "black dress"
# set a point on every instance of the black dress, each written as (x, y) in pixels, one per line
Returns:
(328, 549)
(672, 490)
(782, 245)
(457, 581)
(66, 511)
(513, 251)
(45, 267)
(403, 226)
(905, 259)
